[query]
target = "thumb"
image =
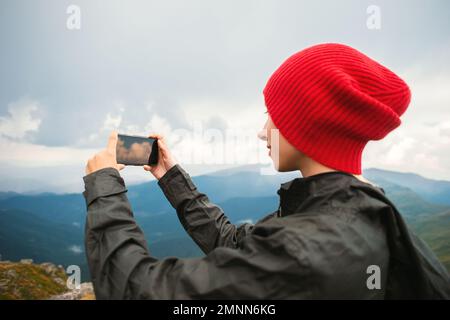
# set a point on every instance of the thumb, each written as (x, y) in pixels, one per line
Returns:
(112, 142)
(120, 166)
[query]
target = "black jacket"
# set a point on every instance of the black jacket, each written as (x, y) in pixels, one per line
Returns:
(323, 242)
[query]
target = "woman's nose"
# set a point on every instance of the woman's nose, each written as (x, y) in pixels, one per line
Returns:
(263, 134)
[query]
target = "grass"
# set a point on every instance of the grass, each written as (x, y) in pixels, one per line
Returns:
(29, 282)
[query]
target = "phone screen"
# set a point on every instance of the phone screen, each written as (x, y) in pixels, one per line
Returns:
(136, 151)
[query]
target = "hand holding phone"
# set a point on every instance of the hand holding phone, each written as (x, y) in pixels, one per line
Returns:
(105, 158)
(165, 158)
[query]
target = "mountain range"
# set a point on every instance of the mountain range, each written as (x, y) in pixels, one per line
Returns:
(50, 227)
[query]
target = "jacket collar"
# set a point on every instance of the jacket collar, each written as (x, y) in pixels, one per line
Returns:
(301, 193)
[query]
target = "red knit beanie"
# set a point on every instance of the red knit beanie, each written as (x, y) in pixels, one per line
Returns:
(329, 100)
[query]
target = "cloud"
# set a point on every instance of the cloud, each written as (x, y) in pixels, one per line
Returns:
(245, 221)
(208, 66)
(112, 121)
(422, 142)
(75, 249)
(33, 155)
(156, 116)
(417, 147)
(430, 99)
(20, 119)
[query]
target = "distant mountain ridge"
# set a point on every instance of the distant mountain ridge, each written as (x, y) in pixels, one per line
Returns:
(50, 227)
(435, 191)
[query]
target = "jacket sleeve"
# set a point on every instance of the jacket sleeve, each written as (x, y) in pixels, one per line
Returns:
(122, 268)
(204, 221)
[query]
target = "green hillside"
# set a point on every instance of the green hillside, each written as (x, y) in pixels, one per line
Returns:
(435, 231)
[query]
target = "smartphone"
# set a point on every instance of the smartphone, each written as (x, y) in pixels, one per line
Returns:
(136, 151)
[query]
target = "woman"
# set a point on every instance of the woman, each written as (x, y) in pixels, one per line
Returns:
(335, 235)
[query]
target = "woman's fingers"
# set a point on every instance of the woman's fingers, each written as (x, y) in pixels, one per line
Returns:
(112, 142)
(162, 145)
(156, 136)
(161, 141)
(165, 157)
(120, 166)
(160, 137)
(147, 168)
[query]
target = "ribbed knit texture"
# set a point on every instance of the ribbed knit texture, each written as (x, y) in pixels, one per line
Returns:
(329, 100)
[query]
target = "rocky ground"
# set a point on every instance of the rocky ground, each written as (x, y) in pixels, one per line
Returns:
(25, 280)
(86, 292)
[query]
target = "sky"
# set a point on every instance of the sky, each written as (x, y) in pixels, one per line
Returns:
(194, 71)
